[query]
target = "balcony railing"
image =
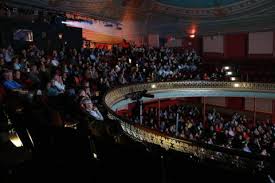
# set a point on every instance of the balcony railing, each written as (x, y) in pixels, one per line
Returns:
(200, 150)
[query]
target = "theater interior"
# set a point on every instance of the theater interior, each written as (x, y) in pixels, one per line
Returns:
(137, 91)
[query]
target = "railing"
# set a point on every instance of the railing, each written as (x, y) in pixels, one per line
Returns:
(117, 94)
(201, 150)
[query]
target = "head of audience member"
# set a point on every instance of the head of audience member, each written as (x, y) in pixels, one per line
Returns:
(86, 104)
(8, 76)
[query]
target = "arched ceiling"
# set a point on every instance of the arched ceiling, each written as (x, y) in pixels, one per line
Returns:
(199, 3)
(173, 16)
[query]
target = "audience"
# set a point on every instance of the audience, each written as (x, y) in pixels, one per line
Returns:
(235, 132)
(86, 74)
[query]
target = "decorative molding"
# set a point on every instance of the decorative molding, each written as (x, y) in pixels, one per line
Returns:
(222, 11)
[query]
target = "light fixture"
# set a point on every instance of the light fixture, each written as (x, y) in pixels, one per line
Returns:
(153, 86)
(15, 139)
(192, 36)
(226, 68)
(60, 35)
(233, 78)
(236, 85)
(130, 61)
(229, 73)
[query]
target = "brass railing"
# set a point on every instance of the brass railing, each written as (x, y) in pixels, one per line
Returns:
(199, 150)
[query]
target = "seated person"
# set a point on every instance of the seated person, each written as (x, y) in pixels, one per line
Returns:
(57, 82)
(12, 85)
(51, 90)
(85, 92)
(9, 83)
(87, 106)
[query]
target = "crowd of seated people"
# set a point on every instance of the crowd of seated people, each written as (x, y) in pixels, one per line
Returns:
(85, 75)
(234, 132)
(88, 73)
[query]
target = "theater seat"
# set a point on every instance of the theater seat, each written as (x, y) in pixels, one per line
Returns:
(2, 93)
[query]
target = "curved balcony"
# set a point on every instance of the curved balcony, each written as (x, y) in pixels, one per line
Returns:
(115, 98)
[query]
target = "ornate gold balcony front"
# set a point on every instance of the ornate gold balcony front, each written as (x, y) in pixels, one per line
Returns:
(197, 149)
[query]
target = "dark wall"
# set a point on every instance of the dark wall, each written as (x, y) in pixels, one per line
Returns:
(45, 34)
(235, 46)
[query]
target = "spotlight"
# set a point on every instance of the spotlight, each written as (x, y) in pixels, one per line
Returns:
(130, 61)
(153, 86)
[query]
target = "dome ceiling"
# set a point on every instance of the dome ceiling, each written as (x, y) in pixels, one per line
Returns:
(199, 3)
(172, 16)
